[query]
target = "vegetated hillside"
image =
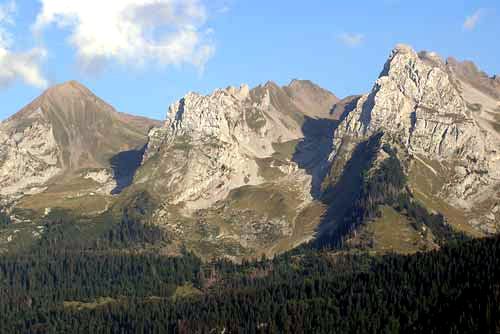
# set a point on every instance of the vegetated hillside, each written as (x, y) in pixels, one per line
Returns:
(453, 290)
(376, 201)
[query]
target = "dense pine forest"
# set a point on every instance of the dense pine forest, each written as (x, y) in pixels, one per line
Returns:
(453, 290)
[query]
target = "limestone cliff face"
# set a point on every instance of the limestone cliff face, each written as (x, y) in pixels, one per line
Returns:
(226, 115)
(212, 144)
(419, 103)
(28, 156)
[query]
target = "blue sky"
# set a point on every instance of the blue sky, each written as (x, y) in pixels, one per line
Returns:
(170, 47)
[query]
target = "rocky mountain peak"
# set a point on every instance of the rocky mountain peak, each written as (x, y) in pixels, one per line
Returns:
(311, 98)
(241, 92)
(219, 115)
(68, 99)
(433, 58)
(271, 85)
(299, 85)
(419, 105)
(226, 140)
(228, 111)
(409, 92)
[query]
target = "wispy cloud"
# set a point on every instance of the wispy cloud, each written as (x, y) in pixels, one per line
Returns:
(24, 66)
(351, 39)
(471, 21)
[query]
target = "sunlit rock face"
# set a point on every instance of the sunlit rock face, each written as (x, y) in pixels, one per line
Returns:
(212, 144)
(28, 157)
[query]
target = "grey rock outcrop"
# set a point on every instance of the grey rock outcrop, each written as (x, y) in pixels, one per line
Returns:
(29, 157)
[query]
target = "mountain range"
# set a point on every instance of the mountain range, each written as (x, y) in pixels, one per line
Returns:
(407, 167)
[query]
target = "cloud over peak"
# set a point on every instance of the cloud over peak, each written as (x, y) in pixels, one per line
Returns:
(133, 32)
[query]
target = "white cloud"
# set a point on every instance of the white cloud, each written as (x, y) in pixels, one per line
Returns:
(471, 21)
(137, 32)
(351, 39)
(15, 66)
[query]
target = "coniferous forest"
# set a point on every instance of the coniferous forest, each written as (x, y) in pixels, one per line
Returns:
(453, 290)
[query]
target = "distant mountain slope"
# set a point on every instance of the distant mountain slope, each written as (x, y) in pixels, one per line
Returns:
(311, 99)
(468, 72)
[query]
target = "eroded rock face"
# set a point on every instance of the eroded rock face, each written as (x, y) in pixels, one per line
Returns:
(229, 114)
(104, 178)
(29, 157)
(212, 144)
(418, 103)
